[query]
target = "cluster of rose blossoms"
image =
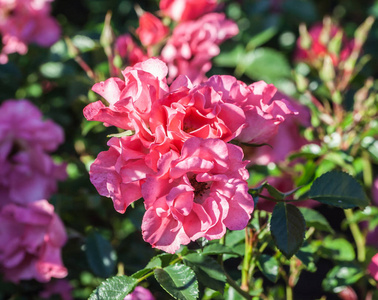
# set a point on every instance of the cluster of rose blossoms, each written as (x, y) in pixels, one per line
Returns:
(23, 22)
(31, 233)
(179, 159)
(194, 41)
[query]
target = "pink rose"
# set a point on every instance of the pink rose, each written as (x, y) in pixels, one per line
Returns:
(197, 194)
(185, 10)
(196, 112)
(151, 30)
(319, 49)
(140, 293)
(130, 100)
(129, 50)
(27, 172)
(31, 238)
(373, 267)
(119, 172)
(60, 287)
(194, 43)
(263, 114)
(24, 22)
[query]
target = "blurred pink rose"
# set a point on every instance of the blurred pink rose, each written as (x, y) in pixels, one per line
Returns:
(373, 267)
(288, 138)
(185, 10)
(129, 50)
(151, 30)
(194, 43)
(140, 293)
(23, 22)
(31, 238)
(119, 172)
(27, 172)
(319, 49)
(59, 287)
(197, 194)
(284, 184)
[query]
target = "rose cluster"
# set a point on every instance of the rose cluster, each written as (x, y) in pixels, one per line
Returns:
(189, 48)
(23, 22)
(179, 159)
(31, 234)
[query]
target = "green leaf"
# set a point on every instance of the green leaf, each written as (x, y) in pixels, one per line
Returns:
(261, 38)
(139, 274)
(216, 248)
(338, 189)
(307, 254)
(160, 261)
(179, 281)
(115, 288)
(342, 275)
(288, 228)
(267, 64)
(269, 266)
(276, 194)
(232, 294)
(315, 219)
(207, 270)
(100, 255)
(337, 249)
(56, 70)
(230, 58)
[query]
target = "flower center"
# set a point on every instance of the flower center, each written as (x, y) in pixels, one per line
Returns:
(199, 188)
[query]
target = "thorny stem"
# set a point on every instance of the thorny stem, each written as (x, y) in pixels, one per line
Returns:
(357, 235)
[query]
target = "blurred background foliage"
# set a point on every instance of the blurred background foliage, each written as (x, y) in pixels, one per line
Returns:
(263, 50)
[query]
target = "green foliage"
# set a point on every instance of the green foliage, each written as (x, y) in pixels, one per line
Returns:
(338, 189)
(269, 266)
(179, 281)
(115, 288)
(100, 255)
(288, 228)
(207, 270)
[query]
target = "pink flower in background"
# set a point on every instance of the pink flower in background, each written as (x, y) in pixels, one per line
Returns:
(373, 267)
(318, 48)
(119, 172)
(27, 172)
(129, 50)
(151, 30)
(140, 293)
(185, 10)
(194, 43)
(197, 194)
(288, 138)
(24, 22)
(31, 238)
(60, 287)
